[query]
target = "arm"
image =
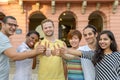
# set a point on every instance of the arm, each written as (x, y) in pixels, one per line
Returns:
(118, 65)
(65, 50)
(11, 53)
(68, 56)
(65, 69)
(84, 54)
(34, 63)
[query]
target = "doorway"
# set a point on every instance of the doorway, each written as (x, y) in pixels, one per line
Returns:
(35, 20)
(67, 22)
(96, 19)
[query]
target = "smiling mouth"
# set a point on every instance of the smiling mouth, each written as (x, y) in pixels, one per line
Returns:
(31, 43)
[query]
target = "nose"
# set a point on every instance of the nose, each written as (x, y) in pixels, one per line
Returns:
(14, 27)
(101, 41)
(34, 40)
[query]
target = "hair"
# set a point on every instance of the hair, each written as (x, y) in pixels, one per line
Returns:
(33, 32)
(74, 32)
(99, 53)
(94, 30)
(46, 20)
(7, 17)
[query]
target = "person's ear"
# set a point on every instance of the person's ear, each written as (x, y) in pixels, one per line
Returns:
(96, 34)
(2, 23)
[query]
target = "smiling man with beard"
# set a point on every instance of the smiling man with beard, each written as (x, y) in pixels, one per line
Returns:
(50, 65)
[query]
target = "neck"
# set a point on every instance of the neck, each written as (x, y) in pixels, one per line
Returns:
(52, 38)
(92, 46)
(75, 47)
(107, 51)
(4, 33)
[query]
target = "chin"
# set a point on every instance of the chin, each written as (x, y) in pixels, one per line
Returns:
(103, 47)
(11, 34)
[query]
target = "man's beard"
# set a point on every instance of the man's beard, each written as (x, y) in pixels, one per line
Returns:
(50, 34)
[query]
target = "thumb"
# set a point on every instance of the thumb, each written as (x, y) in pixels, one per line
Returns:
(39, 42)
(64, 44)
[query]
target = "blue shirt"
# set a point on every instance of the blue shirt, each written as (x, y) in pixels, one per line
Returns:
(4, 60)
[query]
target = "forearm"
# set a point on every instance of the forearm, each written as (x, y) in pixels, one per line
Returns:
(74, 52)
(68, 56)
(24, 55)
(11, 53)
(34, 63)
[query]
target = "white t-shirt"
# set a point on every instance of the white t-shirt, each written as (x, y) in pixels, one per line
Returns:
(87, 65)
(84, 48)
(23, 67)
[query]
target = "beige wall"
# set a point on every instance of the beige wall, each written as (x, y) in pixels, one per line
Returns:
(111, 20)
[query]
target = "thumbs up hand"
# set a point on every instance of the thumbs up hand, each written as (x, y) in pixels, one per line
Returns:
(40, 49)
(48, 50)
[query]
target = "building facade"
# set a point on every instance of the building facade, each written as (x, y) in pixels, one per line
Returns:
(66, 14)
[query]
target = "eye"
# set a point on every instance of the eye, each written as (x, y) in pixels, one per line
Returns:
(11, 24)
(84, 35)
(89, 33)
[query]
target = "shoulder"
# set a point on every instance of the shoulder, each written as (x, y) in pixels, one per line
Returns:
(3, 37)
(23, 45)
(116, 54)
(84, 48)
(42, 42)
(4, 42)
(59, 41)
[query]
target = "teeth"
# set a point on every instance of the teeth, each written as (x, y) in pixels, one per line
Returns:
(31, 43)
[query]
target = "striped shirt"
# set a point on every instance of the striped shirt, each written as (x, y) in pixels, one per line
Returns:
(4, 60)
(108, 68)
(74, 69)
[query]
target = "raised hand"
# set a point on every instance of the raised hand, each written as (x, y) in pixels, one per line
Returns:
(58, 50)
(63, 50)
(40, 49)
(48, 50)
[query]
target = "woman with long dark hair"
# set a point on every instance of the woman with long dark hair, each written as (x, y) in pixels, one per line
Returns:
(107, 57)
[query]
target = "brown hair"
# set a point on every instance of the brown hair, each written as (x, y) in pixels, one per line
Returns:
(74, 32)
(46, 20)
(7, 17)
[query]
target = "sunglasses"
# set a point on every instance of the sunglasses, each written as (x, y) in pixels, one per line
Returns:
(11, 24)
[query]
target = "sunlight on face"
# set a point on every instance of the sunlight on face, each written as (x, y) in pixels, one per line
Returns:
(74, 41)
(105, 42)
(89, 36)
(48, 29)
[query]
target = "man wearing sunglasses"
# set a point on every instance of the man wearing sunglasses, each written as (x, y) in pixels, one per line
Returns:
(9, 26)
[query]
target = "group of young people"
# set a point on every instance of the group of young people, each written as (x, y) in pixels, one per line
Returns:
(100, 54)
(100, 58)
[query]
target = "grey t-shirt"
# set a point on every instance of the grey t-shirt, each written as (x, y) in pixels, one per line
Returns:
(88, 54)
(4, 60)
